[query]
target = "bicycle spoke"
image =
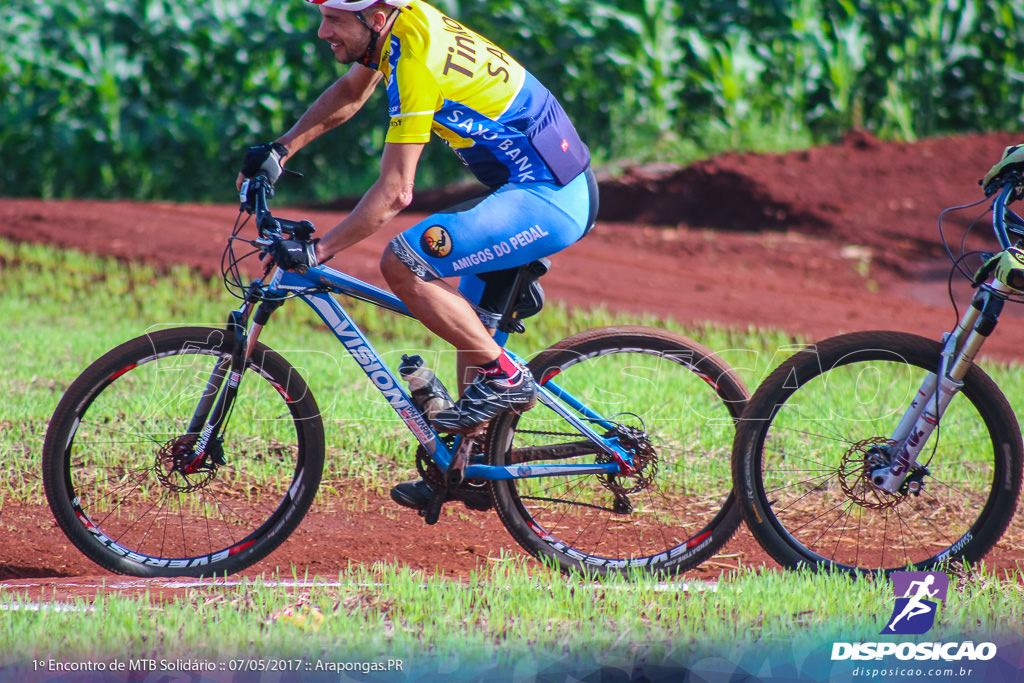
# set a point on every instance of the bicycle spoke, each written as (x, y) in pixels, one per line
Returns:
(674, 509)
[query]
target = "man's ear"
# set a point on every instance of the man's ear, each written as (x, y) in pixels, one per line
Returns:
(379, 19)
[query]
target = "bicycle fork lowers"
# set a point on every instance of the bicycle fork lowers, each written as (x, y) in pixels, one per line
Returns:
(202, 446)
(894, 466)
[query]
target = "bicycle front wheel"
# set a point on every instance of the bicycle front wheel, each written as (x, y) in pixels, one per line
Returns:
(675, 404)
(108, 458)
(805, 447)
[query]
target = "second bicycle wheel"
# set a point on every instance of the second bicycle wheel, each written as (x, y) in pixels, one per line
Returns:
(805, 448)
(109, 458)
(675, 404)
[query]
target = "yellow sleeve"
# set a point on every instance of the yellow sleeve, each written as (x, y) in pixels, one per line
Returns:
(414, 98)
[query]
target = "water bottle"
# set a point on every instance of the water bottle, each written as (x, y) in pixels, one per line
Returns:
(428, 394)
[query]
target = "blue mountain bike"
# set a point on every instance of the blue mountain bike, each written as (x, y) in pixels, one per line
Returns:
(196, 451)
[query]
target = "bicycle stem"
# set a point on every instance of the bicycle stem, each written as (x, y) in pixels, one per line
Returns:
(926, 411)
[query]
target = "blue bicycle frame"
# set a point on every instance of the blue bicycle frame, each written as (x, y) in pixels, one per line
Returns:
(315, 288)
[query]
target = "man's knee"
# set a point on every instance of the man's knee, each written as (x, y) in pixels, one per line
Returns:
(399, 265)
(390, 266)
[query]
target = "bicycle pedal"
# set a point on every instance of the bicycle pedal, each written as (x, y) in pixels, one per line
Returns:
(433, 510)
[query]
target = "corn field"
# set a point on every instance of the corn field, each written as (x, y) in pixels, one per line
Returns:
(157, 99)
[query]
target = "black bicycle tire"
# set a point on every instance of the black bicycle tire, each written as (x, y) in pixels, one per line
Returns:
(122, 360)
(817, 360)
(698, 359)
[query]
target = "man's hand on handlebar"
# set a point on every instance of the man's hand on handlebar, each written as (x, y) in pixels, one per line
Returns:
(267, 159)
(294, 254)
(1012, 162)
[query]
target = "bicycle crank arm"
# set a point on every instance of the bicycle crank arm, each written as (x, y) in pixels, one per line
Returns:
(456, 472)
(433, 511)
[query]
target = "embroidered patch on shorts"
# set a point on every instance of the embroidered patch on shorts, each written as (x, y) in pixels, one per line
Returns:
(436, 241)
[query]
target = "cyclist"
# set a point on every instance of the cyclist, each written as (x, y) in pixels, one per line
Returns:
(505, 126)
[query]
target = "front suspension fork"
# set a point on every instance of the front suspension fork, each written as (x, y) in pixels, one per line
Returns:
(938, 389)
(215, 403)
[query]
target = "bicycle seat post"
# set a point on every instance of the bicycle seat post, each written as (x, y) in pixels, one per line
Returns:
(512, 295)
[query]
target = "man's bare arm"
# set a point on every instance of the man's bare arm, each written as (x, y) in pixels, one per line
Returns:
(336, 105)
(391, 193)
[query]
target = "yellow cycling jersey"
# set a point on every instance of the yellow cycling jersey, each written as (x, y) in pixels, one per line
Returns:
(492, 112)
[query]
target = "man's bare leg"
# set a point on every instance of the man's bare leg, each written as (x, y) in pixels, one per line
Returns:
(443, 311)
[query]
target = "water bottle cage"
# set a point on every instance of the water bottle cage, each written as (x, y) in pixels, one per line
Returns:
(423, 396)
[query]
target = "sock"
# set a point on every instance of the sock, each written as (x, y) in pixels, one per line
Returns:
(502, 371)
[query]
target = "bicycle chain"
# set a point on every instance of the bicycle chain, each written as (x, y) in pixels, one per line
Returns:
(644, 458)
(478, 496)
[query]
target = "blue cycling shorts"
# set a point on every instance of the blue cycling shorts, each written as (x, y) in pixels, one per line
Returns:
(512, 226)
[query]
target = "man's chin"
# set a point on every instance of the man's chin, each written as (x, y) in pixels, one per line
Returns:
(344, 58)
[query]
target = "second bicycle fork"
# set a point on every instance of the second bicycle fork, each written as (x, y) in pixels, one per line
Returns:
(889, 471)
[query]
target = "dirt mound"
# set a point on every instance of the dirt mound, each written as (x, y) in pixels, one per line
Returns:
(875, 194)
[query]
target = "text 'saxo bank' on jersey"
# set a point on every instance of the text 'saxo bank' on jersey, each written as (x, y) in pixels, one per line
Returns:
(494, 114)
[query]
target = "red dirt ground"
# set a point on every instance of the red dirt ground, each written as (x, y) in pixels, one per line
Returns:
(833, 239)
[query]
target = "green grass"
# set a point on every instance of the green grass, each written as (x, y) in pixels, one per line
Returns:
(72, 307)
(118, 464)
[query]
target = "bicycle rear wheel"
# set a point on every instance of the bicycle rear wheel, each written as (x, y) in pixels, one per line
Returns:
(801, 460)
(677, 403)
(110, 445)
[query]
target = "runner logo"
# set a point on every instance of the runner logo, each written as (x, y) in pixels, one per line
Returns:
(918, 595)
(917, 602)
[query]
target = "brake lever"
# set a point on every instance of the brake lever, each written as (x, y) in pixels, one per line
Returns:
(266, 260)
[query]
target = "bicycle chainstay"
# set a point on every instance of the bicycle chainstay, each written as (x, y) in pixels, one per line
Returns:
(478, 496)
(645, 459)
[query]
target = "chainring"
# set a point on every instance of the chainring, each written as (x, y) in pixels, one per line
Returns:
(475, 495)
